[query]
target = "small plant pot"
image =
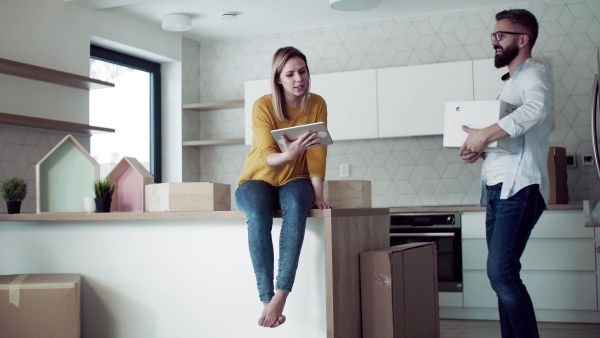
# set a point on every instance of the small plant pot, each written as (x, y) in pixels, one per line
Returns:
(103, 204)
(13, 207)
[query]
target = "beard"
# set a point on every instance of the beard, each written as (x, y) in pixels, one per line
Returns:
(506, 56)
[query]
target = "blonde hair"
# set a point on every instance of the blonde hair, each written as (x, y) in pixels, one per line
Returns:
(281, 56)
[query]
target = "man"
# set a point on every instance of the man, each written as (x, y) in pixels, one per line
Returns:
(514, 186)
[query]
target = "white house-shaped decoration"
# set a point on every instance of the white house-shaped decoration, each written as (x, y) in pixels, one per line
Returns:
(64, 177)
(131, 178)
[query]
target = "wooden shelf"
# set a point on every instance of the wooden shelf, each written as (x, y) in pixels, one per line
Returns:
(25, 70)
(215, 105)
(207, 143)
(36, 122)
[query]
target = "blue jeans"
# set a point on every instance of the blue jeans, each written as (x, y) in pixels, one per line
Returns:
(258, 200)
(508, 224)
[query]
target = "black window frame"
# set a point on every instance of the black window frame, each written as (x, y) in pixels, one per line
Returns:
(153, 69)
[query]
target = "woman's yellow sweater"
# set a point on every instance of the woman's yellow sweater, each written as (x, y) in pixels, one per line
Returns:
(309, 164)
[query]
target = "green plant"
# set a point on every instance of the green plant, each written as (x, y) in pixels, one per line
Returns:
(103, 188)
(13, 189)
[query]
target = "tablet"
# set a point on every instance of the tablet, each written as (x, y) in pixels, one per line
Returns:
(292, 133)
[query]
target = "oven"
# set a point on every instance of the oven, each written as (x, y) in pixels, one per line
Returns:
(443, 229)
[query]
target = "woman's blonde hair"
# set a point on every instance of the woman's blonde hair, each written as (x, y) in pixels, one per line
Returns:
(281, 56)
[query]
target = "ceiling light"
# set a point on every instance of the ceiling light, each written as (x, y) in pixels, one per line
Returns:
(353, 5)
(228, 15)
(177, 22)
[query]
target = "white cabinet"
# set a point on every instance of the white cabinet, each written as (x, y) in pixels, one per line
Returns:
(411, 99)
(351, 99)
(253, 90)
(558, 265)
(351, 103)
(487, 81)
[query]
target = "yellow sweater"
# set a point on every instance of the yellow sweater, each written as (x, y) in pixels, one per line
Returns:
(309, 164)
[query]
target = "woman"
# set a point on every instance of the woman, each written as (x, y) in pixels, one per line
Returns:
(291, 180)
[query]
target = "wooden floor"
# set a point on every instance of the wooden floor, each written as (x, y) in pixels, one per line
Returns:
(491, 329)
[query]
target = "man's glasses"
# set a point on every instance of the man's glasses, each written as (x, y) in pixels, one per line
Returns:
(498, 35)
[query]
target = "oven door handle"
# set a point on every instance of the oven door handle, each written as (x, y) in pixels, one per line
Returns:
(424, 234)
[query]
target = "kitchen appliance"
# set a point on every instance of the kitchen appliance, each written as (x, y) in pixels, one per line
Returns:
(591, 215)
(443, 229)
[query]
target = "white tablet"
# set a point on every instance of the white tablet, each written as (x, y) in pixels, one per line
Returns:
(292, 133)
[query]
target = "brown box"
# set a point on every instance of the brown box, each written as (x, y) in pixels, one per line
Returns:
(188, 196)
(40, 306)
(399, 292)
(557, 173)
(347, 194)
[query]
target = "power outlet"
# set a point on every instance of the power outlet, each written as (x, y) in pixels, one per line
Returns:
(344, 170)
(571, 161)
(588, 160)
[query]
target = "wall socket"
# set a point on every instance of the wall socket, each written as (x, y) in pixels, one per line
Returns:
(344, 170)
(587, 160)
(571, 161)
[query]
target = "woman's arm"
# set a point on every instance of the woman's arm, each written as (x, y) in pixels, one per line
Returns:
(319, 202)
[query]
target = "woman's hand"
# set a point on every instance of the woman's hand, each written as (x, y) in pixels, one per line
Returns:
(303, 143)
(320, 205)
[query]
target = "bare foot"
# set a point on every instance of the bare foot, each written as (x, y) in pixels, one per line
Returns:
(272, 315)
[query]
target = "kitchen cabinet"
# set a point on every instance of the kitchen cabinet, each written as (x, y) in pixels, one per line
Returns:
(253, 90)
(351, 103)
(487, 81)
(211, 106)
(411, 100)
(351, 99)
(558, 265)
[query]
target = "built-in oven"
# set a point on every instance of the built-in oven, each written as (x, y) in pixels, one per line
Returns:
(443, 229)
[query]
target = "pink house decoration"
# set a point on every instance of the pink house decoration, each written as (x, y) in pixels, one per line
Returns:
(64, 177)
(131, 178)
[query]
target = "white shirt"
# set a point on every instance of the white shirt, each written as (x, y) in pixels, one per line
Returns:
(531, 88)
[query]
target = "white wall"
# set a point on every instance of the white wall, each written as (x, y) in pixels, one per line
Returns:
(47, 34)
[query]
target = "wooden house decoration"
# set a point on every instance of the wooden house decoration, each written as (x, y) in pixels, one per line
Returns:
(131, 178)
(64, 177)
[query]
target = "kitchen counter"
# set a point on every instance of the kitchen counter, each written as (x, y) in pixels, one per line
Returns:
(466, 208)
(189, 273)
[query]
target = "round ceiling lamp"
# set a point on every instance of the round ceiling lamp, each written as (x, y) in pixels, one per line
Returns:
(353, 5)
(177, 22)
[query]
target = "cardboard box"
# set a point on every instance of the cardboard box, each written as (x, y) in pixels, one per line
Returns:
(347, 194)
(40, 306)
(557, 173)
(188, 196)
(477, 114)
(399, 292)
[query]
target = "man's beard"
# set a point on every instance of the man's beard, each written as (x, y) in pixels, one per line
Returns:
(506, 56)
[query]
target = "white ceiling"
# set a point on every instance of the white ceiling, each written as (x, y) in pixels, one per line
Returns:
(260, 17)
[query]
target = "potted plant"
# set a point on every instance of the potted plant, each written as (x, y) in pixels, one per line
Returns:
(13, 191)
(103, 189)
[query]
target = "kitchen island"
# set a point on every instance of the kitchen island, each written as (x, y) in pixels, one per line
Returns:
(188, 274)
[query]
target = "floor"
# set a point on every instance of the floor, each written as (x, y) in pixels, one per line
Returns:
(491, 329)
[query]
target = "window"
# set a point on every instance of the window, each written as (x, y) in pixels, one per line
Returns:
(132, 108)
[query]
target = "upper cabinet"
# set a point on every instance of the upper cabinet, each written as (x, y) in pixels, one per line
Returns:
(253, 91)
(487, 80)
(392, 102)
(351, 103)
(351, 99)
(411, 99)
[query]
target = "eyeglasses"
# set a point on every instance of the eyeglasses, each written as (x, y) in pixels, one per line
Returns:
(498, 35)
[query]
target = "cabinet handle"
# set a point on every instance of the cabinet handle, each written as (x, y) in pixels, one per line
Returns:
(598, 249)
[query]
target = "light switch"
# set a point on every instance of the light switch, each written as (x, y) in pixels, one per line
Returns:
(344, 170)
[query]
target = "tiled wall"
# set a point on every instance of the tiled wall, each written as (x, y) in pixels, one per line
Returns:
(414, 170)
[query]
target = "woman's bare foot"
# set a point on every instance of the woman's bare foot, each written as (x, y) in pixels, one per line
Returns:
(272, 315)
